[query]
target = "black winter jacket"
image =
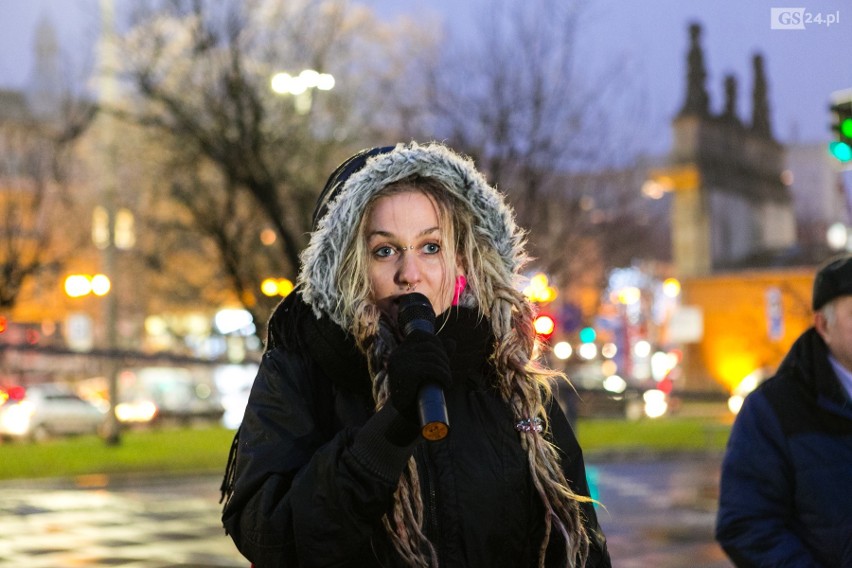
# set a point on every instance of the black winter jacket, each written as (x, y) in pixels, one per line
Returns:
(315, 470)
(786, 489)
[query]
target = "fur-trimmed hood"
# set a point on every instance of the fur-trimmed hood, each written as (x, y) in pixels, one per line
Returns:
(334, 231)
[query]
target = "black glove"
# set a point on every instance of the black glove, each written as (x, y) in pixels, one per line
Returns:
(421, 357)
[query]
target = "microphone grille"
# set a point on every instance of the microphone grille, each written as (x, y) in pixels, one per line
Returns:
(415, 312)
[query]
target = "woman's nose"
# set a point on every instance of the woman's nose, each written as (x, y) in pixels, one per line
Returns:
(409, 268)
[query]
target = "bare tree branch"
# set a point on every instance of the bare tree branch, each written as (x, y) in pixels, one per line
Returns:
(36, 158)
(239, 158)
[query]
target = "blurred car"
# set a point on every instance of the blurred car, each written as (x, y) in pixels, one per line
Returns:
(595, 395)
(167, 395)
(39, 412)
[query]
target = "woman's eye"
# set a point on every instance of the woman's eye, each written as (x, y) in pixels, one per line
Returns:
(431, 248)
(383, 252)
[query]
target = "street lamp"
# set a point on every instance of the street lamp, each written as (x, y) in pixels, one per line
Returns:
(301, 86)
(539, 289)
(79, 285)
(838, 237)
(276, 287)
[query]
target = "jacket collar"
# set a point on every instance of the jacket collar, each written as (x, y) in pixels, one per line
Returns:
(809, 357)
(294, 325)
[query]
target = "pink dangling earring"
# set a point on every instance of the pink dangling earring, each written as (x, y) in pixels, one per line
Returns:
(461, 283)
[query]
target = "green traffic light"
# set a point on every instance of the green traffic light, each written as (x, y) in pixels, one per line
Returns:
(587, 335)
(846, 128)
(840, 150)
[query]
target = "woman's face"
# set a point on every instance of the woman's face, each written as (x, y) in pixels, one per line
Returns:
(405, 241)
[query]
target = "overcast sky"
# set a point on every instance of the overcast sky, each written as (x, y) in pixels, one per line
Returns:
(647, 37)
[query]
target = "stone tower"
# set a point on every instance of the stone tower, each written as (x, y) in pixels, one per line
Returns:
(731, 210)
(45, 88)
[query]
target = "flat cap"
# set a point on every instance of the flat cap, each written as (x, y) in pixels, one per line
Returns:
(832, 281)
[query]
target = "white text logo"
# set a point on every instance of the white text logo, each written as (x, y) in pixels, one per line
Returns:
(799, 18)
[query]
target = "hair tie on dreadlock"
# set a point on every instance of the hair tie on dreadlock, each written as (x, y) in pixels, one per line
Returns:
(527, 425)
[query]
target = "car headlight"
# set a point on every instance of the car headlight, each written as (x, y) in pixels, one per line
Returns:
(137, 411)
(16, 419)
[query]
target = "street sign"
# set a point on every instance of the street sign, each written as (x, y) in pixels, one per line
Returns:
(774, 314)
(686, 325)
(79, 332)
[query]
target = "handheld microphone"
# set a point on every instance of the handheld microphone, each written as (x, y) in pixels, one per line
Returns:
(415, 312)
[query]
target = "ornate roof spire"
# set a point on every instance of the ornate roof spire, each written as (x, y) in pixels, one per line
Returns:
(730, 112)
(697, 101)
(760, 102)
(45, 86)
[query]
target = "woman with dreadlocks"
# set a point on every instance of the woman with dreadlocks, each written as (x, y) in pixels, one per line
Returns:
(331, 467)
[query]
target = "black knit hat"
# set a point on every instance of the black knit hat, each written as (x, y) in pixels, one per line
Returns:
(339, 176)
(833, 280)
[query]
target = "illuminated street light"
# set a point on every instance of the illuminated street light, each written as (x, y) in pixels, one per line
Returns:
(563, 350)
(276, 287)
(629, 295)
(588, 351)
(671, 287)
(79, 285)
(100, 285)
(540, 290)
(301, 85)
(614, 383)
(837, 236)
(654, 189)
(269, 287)
(642, 349)
(671, 178)
(609, 350)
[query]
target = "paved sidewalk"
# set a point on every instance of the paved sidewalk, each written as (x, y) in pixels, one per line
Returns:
(148, 523)
(659, 513)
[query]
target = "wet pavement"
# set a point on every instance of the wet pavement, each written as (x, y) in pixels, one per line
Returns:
(135, 523)
(659, 513)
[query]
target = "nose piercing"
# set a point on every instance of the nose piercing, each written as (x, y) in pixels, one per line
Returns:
(409, 288)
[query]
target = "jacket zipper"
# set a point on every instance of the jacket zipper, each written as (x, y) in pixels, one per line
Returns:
(433, 528)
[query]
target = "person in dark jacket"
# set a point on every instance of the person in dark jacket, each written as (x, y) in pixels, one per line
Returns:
(329, 467)
(786, 487)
